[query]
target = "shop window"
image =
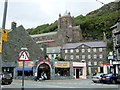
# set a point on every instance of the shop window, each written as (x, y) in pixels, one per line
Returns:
(83, 50)
(26, 73)
(62, 71)
(88, 49)
(77, 50)
(66, 51)
(100, 49)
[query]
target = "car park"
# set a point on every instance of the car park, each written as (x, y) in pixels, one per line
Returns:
(109, 78)
(6, 78)
(97, 77)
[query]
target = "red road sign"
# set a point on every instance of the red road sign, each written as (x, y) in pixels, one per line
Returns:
(24, 57)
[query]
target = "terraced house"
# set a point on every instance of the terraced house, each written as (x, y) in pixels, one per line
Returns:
(93, 53)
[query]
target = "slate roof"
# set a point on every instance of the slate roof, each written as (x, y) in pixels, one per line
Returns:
(90, 44)
(17, 39)
(53, 50)
(44, 34)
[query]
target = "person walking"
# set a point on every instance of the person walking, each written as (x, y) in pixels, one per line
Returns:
(35, 76)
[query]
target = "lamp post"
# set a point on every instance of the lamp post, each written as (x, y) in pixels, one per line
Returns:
(3, 27)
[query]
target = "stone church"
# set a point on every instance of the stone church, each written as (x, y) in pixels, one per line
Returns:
(67, 32)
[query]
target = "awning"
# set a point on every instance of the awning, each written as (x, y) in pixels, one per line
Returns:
(25, 68)
(62, 67)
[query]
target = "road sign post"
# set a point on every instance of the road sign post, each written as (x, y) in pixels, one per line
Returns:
(23, 57)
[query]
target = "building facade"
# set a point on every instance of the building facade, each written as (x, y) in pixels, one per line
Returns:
(116, 46)
(93, 53)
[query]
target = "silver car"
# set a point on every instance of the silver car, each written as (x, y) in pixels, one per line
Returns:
(97, 77)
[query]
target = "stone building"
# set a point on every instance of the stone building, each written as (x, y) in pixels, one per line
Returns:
(67, 32)
(116, 46)
(93, 53)
(19, 38)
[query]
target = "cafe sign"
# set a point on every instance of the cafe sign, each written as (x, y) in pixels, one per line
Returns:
(27, 64)
(62, 64)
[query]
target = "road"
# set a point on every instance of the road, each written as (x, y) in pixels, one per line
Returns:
(61, 84)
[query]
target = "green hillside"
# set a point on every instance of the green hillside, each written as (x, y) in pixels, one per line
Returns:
(93, 24)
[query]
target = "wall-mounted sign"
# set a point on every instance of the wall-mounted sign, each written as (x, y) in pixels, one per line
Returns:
(27, 64)
(62, 64)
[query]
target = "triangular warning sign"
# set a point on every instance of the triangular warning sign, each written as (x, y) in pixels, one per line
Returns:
(24, 57)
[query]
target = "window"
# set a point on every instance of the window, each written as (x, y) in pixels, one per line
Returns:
(71, 56)
(83, 50)
(89, 56)
(95, 56)
(101, 56)
(117, 39)
(77, 56)
(65, 56)
(82, 46)
(71, 50)
(118, 54)
(66, 51)
(88, 49)
(83, 56)
(95, 63)
(62, 71)
(100, 49)
(77, 50)
(89, 63)
(26, 73)
(94, 49)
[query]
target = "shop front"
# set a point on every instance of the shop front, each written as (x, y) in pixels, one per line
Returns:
(63, 70)
(79, 70)
(44, 67)
(28, 70)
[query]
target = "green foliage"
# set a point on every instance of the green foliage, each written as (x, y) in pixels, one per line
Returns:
(110, 45)
(58, 58)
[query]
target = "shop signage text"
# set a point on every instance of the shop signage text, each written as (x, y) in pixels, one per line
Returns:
(62, 64)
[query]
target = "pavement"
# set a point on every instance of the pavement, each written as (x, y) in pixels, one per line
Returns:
(71, 84)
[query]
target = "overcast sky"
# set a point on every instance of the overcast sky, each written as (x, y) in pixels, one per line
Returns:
(31, 13)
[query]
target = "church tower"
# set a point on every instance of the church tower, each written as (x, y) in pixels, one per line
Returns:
(67, 31)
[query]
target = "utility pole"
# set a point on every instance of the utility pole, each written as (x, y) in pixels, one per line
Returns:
(3, 27)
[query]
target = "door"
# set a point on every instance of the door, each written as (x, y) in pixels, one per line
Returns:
(77, 73)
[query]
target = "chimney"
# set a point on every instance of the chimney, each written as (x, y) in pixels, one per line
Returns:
(59, 15)
(13, 25)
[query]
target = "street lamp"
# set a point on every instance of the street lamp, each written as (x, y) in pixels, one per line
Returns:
(100, 2)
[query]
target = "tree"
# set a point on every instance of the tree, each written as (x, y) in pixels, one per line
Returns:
(59, 58)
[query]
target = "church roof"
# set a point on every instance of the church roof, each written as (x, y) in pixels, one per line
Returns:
(19, 38)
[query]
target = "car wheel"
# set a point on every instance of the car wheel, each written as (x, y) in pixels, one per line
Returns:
(94, 81)
(9, 82)
(113, 82)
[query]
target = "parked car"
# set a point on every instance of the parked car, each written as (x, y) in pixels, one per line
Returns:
(6, 78)
(97, 77)
(109, 78)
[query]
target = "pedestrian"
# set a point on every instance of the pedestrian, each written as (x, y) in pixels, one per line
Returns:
(35, 76)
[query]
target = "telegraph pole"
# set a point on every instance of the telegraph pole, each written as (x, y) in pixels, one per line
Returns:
(3, 27)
